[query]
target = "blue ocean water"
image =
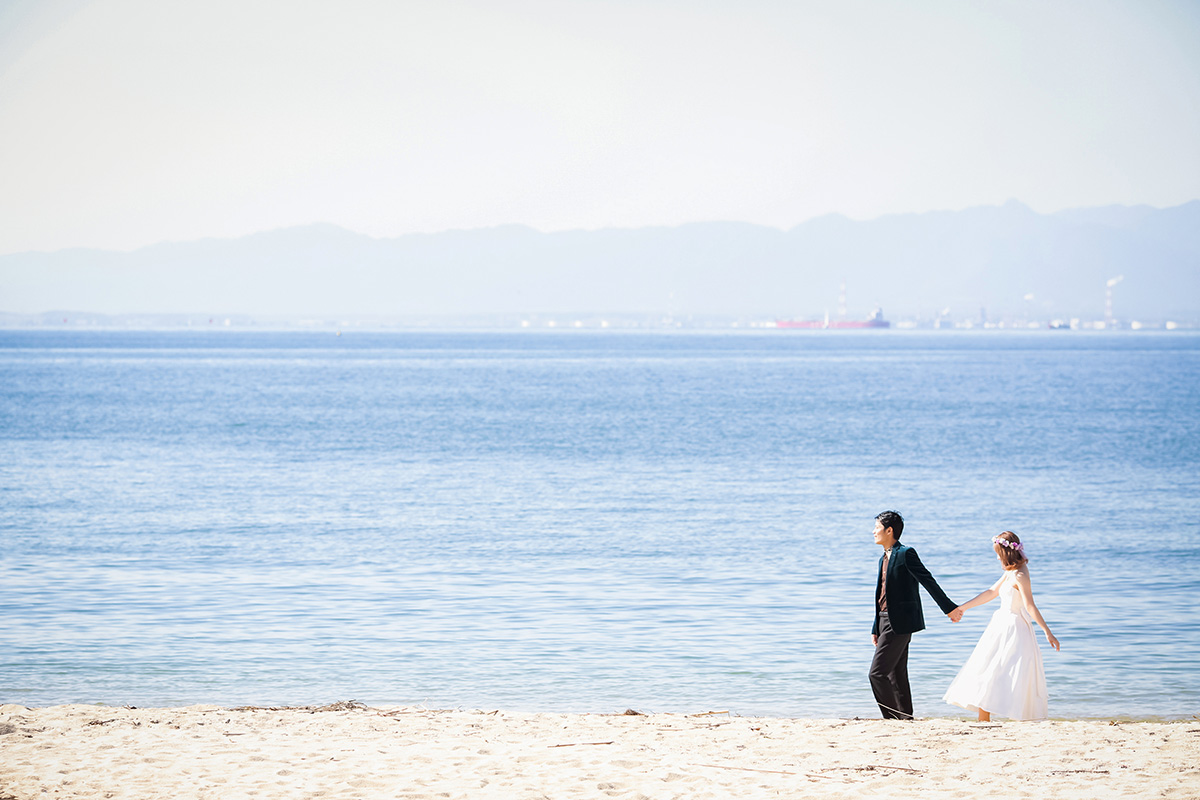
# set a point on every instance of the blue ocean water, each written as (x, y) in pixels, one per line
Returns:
(585, 521)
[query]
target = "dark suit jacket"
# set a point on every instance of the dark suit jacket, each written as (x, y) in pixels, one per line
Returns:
(905, 570)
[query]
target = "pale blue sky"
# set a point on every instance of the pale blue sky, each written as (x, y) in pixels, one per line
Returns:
(128, 122)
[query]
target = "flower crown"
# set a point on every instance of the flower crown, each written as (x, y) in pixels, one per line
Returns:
(1013, 545)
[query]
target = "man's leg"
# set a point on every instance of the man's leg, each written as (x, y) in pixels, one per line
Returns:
(900, 677)
(889, 665)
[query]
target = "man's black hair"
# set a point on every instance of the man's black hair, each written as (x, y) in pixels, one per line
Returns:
(893, 520)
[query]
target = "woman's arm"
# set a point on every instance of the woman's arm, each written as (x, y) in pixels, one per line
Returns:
(981, 599)
(984, 596)
(1026, 588)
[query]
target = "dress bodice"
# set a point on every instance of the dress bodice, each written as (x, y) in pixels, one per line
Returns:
(1010, 595)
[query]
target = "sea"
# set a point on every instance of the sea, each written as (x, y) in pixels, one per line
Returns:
(586, 521)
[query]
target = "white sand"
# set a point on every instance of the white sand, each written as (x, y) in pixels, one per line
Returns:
(211, 752)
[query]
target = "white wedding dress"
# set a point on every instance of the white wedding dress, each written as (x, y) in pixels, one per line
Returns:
(1004, 674)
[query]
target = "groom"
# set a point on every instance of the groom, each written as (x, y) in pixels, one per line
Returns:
(898, 615)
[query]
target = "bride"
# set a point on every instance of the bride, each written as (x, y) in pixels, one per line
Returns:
(1004, 673)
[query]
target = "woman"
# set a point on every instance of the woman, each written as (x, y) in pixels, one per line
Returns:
(1004, 673)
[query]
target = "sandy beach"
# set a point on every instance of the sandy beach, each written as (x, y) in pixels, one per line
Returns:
(353, 751)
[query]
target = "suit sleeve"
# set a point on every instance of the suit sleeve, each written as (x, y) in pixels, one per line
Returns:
(875, 624)
(918, 571)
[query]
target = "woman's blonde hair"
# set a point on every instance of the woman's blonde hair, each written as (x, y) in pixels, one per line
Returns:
(1008, 546)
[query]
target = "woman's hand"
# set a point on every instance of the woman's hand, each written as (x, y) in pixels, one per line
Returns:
(1050, 638)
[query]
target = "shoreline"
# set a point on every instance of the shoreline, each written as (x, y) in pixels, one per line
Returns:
(961, 715)
(352, 750)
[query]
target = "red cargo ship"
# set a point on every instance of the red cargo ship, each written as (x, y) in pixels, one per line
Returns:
(876, 320)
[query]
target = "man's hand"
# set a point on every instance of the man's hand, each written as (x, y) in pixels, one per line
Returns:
(956, 614)
(874, 639)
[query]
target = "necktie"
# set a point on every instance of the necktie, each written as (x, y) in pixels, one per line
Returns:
(883, 582)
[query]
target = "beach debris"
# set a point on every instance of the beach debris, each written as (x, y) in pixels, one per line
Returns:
(578, 744)
(417, 710)
(1073, 771)
(750, 769)
(101, 721)
(873, 767)
(842, 778)
(708, 713)
(629, 712)
(340, 705)
(344, 705)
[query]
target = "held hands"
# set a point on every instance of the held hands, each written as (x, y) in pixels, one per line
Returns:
(956, 614)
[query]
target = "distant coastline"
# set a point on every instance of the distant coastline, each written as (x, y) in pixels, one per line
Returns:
(1002, 266)
(85, 321)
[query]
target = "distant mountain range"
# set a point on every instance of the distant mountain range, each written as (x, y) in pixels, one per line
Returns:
(1006, 259)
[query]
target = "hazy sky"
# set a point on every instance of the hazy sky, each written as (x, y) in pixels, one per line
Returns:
(128, 122)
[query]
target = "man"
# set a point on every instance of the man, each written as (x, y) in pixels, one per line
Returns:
(898, 615)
